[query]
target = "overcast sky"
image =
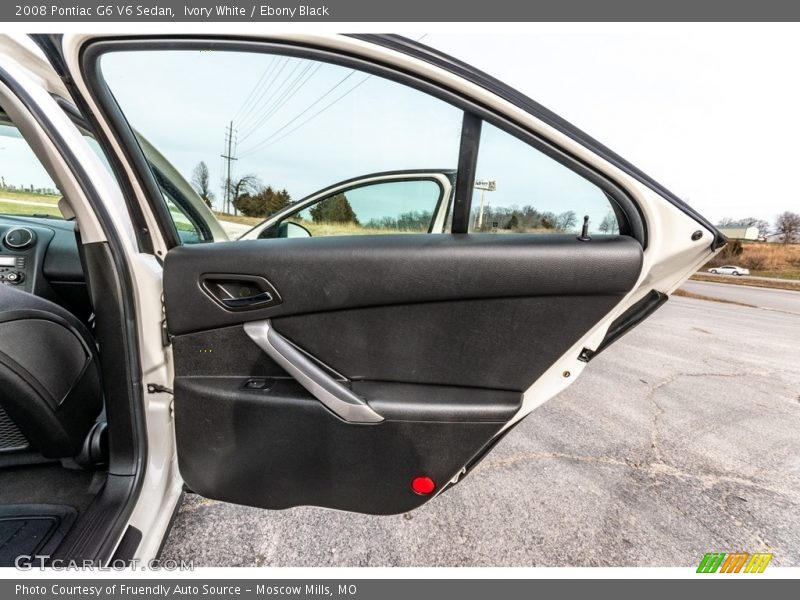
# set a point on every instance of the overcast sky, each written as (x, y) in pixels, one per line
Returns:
(712, 113)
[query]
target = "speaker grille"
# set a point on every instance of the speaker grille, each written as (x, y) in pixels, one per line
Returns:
(11, 437)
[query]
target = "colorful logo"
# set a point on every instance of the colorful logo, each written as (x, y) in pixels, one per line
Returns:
(737, 562)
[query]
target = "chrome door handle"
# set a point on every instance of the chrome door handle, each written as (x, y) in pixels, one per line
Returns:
(339, 399)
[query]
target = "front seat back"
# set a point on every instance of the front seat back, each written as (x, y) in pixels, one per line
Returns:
(49, 373)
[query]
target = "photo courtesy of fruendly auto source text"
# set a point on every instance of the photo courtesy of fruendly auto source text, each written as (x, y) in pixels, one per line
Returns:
(386, 300)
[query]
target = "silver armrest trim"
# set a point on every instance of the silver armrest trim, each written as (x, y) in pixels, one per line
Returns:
(339, 399)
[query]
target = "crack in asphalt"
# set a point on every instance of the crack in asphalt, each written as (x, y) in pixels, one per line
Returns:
(653, 469)
(658, 410)
(657, 467)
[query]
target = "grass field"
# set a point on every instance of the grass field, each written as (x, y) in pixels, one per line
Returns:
(764, 260)
(13, 202)
(316, 229)
(329, 229)
(33, 197)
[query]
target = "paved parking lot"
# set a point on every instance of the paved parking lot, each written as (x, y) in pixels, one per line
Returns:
(681, 439)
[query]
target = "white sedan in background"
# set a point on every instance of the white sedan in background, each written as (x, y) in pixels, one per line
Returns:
(729, 270)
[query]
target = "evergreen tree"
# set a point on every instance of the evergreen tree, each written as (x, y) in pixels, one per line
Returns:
(335, 209)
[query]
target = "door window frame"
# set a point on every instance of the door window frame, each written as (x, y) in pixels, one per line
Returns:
(629, 215)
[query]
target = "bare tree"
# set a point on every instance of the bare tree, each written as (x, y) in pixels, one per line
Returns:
(609, 224)
(201, 182)
(787, 226)
(246, 184)
(566, 220)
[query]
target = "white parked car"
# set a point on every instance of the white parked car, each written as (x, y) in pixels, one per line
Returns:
(314, 360)
(729, 270)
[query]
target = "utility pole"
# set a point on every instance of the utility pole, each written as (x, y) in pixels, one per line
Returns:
(229, 157)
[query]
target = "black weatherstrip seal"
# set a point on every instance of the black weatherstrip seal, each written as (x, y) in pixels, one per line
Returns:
(506, 92)
(626, 322)
(138, 436)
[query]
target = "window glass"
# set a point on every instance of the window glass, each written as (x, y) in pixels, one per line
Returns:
(241, 126)
(519, 189)
(389, 207)
(25, 186)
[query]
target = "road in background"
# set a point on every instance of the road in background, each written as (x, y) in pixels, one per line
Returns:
(680, 439)
(737, 278)
(234, 230)
(783, 300)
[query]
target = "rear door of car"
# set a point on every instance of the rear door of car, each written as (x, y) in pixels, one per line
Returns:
(369, 369)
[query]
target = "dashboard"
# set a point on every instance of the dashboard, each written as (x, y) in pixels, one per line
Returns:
(40, 256)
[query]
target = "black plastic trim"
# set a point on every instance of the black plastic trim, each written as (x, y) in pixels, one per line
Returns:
(627, 321)
(95, 535)
(465, 176)
(284, 449)
(127, 546)
(270, 297)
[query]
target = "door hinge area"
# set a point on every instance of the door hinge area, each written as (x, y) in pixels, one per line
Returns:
(157, 388)
(166, 338)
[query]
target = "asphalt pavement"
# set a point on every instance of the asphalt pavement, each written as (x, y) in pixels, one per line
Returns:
(770, 299)
(680, 439)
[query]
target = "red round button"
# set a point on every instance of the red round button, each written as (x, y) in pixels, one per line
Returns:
(423, 485)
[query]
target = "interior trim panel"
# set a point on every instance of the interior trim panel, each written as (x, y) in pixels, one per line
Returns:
(333, 273)
(282, 448)
(433, 337)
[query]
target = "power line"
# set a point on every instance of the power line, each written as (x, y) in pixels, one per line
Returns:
(291, 131)
(266, 80)
(312, 117)
(241, 108)
(255, 108)
(301, 80)
(304, 111)
(288, 96)
(275, 101)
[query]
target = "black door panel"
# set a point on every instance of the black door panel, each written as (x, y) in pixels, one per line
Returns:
(331, 273)
(221, 352)
(501, 343)
(439, 334)
(281, 448)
